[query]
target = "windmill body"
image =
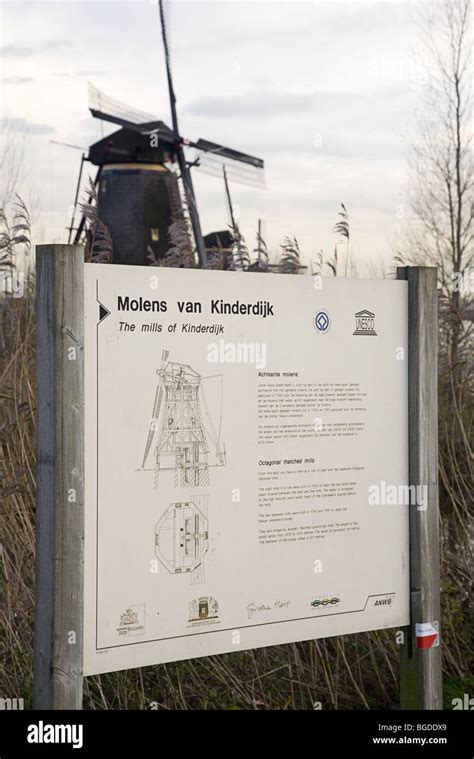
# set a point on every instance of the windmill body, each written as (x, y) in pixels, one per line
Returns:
(137, 194)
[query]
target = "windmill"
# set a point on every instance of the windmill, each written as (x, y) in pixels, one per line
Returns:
(182, 437)
(137, 186)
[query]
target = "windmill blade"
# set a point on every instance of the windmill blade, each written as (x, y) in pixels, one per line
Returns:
(115, 109)
(213, 164)
(185, 173)
(240, 167)
(76, 198)
(108, 109)
(164, 22)
(67, 145)
(235, 226)
(149, 127)
(228, 153)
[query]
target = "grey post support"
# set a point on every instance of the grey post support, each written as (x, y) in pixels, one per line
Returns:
(421, 683)
(58, 640)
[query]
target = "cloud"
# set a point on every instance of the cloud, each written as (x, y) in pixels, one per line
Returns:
(16, 51)
(17, 79)
(80, 72)
(311, 126)
(28, 127)
(340, 144)
(23, 51)
(54, 44)
(261, 69)
(250, 104)
(258, 103)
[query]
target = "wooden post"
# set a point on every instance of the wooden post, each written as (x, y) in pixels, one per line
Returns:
(58, 641)
(421, 682)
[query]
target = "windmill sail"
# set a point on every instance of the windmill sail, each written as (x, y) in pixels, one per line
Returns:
(225, 153)
(104, 107)
(241, 167)
(213, 164)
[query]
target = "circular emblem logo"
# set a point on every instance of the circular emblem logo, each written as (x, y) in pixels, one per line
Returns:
(325, 601)
(322, 320)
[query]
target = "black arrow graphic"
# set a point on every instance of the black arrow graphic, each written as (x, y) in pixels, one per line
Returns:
(103, 312)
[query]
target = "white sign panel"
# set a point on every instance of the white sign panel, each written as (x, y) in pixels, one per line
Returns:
(246, 461)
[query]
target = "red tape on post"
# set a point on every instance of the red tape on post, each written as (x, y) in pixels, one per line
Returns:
(427, 635)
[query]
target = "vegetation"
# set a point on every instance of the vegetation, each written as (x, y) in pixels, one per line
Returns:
(442, 235)
(98, 248)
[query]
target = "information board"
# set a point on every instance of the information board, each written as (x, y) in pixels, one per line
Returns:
(245, 436)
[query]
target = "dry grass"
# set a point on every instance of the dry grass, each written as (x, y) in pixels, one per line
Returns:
(17, 488)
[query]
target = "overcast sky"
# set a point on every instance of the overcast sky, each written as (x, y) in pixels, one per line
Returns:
(325, 93)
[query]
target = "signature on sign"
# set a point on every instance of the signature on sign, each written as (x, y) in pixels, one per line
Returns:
(259, 608)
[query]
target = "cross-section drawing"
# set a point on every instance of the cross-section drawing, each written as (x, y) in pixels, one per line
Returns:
(184, 432)
(182, 539)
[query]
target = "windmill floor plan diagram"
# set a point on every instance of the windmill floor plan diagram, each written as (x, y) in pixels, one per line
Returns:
(182, 538)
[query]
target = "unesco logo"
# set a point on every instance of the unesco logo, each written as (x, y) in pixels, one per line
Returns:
(365, 323)
(322, 321)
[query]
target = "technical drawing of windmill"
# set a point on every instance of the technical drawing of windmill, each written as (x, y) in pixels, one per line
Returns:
(182, 539)
(182, 437)
(138, 194)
